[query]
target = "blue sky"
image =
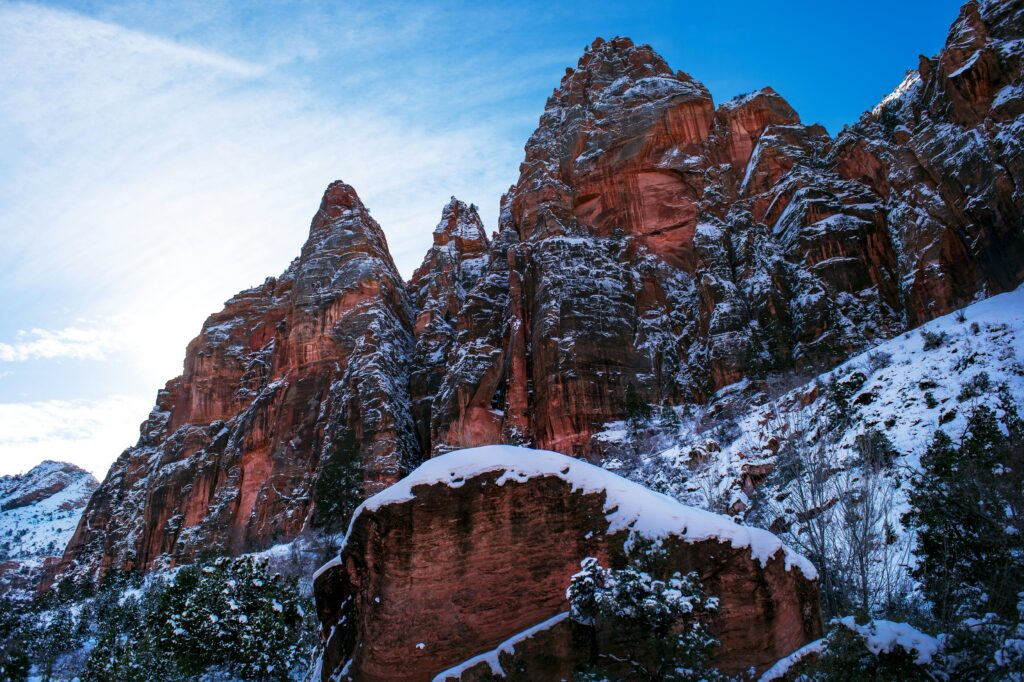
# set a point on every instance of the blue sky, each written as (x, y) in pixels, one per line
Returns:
(157, 158)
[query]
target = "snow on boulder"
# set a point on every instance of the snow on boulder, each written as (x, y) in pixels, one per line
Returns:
(478, 545)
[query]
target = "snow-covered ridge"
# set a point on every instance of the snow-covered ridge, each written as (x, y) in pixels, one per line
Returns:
(39, 510)
(910, 81)
(628, 505)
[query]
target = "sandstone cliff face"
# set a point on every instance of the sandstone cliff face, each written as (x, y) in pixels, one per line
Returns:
(433, 571)
(655, 240)
(306, 370)
(438, 289)
(944, 154)
(652, 240)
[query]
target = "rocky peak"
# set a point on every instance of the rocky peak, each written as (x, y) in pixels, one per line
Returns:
(438, 289)
(462, 224)
(39, 510)
(452, 264)
(740, 122)
(338, 198)
(46, 479)
(345, 248)
(301, 379)
(605, 135)
(617, 64)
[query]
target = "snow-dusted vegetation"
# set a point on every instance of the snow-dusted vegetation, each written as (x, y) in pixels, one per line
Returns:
(218, 620)
(898, 473)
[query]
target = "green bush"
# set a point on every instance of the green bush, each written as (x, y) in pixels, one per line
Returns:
(232, 615)
(933, 340)
(966, 507)
(655, 628)
(846, 657)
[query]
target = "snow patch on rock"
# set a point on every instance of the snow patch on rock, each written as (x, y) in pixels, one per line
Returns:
(493, 657)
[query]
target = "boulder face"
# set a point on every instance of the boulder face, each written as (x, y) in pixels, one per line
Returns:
(39, 511)
(302, 375)
(475, 550)
(653, 239)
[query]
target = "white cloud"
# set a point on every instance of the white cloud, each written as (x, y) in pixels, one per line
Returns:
(88, 433)
(79, 343)
(133, 155)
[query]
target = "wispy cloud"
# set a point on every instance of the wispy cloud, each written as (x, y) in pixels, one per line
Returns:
(88, 433)
(79, 343)
(149, 180)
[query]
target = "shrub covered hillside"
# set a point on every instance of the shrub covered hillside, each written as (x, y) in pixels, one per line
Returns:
(228, 619)
(900, 474)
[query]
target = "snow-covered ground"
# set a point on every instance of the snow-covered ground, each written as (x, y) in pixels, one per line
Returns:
(905, 387)
(721, 456)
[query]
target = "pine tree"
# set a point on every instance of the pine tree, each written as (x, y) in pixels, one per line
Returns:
(968, 508)
(669, 419)
(229, 617)
(846, 658)
(14, 660)
(57, 636)
(638, 413)
(339, 484)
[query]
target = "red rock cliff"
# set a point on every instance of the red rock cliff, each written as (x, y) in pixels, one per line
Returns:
(657, 241)
(303, 370)
(652, 240)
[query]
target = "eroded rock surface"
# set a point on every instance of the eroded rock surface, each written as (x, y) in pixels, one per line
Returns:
(652, 240)
(655, 240)
(477, 546)
(304, 370)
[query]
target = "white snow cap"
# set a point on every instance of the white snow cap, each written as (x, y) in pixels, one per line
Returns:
(628, 506)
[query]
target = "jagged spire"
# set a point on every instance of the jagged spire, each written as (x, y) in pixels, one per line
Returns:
(461, 222)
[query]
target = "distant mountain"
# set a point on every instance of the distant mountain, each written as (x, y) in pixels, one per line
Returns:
(39, 511)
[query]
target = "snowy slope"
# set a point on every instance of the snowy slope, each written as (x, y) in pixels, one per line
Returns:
(898, 387)
(725, 456)
(39, 511)
(902, 389)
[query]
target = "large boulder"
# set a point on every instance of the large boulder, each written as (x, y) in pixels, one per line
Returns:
(465, 564)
